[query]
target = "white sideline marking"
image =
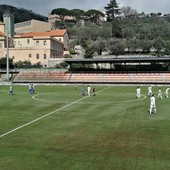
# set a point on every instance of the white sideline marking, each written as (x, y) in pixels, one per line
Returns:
(48, 114)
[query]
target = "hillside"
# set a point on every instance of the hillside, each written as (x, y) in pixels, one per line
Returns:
(20, 14)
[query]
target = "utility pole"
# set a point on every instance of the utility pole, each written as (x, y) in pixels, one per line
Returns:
(7, 56)
(7, 45)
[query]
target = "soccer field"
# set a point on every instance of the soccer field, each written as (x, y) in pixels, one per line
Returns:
(59, 129)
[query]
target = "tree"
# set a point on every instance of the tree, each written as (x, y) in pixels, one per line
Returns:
(88, 47)
(77, 14)
(116, 46)
(23, 64)
(167, 49)
(153, 14)
(129, 12)
(159, 14)
(89, 51)
(116, 28)
(105, 30)
(93, 15)
(112, 9)
(20, 14)
(128, 33)
(61, 65)
(99, 46)
(146, 45)
(60, 25)
(91, 31)
(133, 45)
(3, 63)
(159, 44)
(61, 12)
(144, 32)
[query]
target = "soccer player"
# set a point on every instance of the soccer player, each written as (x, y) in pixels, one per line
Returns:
(138, 92)
(152, 104)
(11, 90)
(33, 88)
(75, 86)
(82, 90)
(88, 90)
(159, 93)
(166, 92)
(30, 88)
(149, 91)
(94, 91)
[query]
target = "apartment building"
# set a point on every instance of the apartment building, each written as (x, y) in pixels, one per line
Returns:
(32, 26)
(60, 35)
(36, 47)
(45, 47)
(2, 43)
(2, 27)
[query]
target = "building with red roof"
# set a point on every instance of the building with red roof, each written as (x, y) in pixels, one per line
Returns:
(45, 47)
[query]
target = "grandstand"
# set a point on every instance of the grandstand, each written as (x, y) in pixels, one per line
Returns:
(125, 71)
(104, 78)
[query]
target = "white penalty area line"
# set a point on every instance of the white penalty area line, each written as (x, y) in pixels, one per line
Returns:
(48, 114)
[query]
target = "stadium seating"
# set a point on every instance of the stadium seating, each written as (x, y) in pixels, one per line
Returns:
(66, 77)
(41, 77)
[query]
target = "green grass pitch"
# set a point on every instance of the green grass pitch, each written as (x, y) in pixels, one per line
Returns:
(58, 129)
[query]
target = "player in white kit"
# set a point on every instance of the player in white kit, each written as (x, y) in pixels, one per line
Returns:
(166, 93)
(152, 104)
(88, 90)
(149, 91)
(138, 92)
(159, 93)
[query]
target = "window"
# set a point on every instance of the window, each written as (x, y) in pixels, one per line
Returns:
(37, 43)
(13, 57)
(45, 42)
(29, 55)
(28, 41)
(0, 45)
(45, 56)
(37, 56)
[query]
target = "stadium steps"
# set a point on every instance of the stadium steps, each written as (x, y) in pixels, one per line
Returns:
(60, 77)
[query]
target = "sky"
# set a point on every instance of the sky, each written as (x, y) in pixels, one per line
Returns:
(44, 7)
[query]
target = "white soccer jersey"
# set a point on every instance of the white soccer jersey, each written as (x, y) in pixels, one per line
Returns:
(138, 92)
(88, 90)
(160, 94)
(152, 100)
(166, 92)
(152, 105)
(149, 90)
